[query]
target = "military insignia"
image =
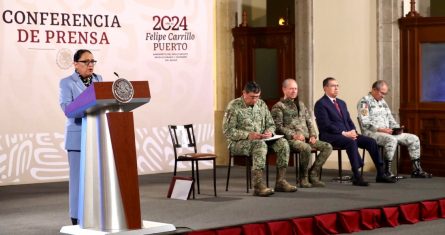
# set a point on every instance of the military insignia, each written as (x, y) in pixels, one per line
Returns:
(364, 112)
(363, 104)
(122, 90)
(227, 115)
(64, 58)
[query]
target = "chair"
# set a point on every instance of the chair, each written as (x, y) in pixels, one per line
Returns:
(183, 137)
(340, 178)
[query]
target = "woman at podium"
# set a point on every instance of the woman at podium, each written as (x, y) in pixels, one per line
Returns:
(71, 87)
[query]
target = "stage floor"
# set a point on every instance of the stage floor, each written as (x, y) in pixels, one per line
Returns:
(43, 208)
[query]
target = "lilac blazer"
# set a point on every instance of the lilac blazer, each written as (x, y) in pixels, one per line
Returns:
(69, 88)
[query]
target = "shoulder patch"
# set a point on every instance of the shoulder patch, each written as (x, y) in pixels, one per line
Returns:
(227, 114)
(364, 112)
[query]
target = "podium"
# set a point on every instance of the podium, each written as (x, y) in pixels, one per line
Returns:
(109, 189)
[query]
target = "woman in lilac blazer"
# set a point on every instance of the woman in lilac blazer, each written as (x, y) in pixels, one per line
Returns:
(71, 87)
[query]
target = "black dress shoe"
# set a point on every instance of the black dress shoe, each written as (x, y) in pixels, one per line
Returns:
(385, 179)
(421, 174)
(359, 182)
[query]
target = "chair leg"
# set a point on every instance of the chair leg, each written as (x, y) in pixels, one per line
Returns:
(267, 172)
(297, 167)
(397, 161)
(340, 170)
(382, 156)
(363, 159)
(197, 176)
(248, 175)
(176, 165)
(250, 172)
(228, 172)
(214, 176)
(193, 178)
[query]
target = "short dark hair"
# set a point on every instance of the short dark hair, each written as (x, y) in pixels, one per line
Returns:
(79, 54)
(327, 80)
(378, 84)
(253, 87)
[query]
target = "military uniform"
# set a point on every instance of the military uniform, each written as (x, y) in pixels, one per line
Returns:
(241, 119)
(290, 122)
(374, 114)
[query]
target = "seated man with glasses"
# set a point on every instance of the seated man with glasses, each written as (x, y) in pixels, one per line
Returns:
(378, 123)
(247, 123)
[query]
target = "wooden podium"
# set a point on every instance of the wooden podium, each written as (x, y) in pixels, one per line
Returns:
(109, 188)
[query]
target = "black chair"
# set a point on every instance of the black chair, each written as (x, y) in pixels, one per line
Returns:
(183, 137)
(340, 178)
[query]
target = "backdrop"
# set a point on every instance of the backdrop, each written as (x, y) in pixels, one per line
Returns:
(168, 43)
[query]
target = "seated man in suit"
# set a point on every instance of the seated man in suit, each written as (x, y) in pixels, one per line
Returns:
(377, 122)
(247, 122)
(336, 127)
(294, 121)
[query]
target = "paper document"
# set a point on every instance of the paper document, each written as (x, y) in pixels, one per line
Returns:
(274, 137)
(181, 189)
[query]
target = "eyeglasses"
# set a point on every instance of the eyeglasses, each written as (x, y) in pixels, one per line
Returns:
(253, 97)
(88, 62)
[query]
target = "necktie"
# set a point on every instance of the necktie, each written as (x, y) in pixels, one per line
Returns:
(337, 107)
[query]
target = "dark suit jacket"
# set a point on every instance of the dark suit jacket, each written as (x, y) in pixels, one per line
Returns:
(330, 123)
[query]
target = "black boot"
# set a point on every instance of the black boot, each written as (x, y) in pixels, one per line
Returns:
(382, 177)
(418, 172)
(388, 167)
(385, 179)
(74, 221)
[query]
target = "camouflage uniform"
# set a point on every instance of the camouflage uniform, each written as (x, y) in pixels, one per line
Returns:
(375, 114)
(241, 119)
(289, 122)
